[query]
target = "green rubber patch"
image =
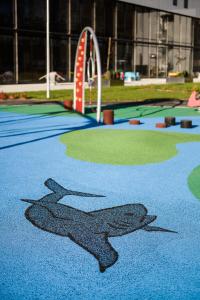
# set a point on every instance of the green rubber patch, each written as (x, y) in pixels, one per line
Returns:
(121, 113)
(194, 182)
(152, 112)
(43, 109)
(124, 147)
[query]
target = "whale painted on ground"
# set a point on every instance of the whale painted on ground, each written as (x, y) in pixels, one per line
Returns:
(90, 230)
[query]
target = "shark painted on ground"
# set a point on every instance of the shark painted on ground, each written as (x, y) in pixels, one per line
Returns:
(90, 230)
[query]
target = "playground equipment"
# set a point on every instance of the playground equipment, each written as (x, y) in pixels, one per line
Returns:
(131, 76)
(161, 125)
(80, 70)
(108, 117)
(186, 123)
(170, 121)
(68, 104)
(53, 76)
(134, 122)
(193, 102)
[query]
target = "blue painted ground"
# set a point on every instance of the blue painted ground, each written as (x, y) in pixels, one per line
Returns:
(38, 265)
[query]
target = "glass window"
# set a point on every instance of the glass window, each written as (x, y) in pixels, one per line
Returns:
(196, 65)
(170, 28)
(6, 13)
(162, 61)
(153, 61)
(105, 18)
(32, 58)
(187, 34)
(103, 47)
(142, 59)
(32, 14)
(59, 56)
(175, 2)
(74, 43)
(59, 15)
(177, 27)
(6, 59)
(153, 18)
(125, 56)
(125, 21)
(170, 65)
(177, 60)
(184, 59)
(142, 24)
(185, 3)
(163, 26)
(196, 32)
(183, 32)
(81, 15)
(186, 30)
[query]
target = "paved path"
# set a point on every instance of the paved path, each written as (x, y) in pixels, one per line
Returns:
(36, 264)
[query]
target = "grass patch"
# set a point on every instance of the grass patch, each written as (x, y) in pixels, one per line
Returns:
(121, 93)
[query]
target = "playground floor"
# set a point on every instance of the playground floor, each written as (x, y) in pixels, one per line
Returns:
(118, 206)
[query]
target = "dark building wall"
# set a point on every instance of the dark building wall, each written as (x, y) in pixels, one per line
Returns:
(146, 40)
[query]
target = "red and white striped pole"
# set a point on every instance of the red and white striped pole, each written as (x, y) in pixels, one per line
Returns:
(79, 72)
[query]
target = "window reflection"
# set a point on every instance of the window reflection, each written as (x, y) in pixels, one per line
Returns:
(162, 61)
(153, 19)
(142, 60)
(196, 33)
(6, 59)
(145, 40)
(103, 47)
(32, 64)
(59, 56)
(163, 27)
(125, 21)
(142, 24)
(6, 13)
(81, 14)
(32, 14)
(105, 18)
(125, 56)
(59, 15)
(153, 61)
(177, 23)
(196, 60)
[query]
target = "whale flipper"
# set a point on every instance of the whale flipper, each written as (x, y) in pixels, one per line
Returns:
(59, 190)
(97, 245)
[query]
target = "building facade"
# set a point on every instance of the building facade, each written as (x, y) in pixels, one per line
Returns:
(152, 37)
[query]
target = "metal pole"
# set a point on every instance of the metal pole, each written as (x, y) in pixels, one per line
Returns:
(116, 33)
(16, 45)
(69, 41)
(48, 52)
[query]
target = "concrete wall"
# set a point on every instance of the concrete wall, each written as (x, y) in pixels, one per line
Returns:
(193, 9)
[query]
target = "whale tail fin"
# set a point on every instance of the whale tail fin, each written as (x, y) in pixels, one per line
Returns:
(155, 228)
(59, 190)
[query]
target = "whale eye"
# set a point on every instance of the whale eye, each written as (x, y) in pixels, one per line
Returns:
(129, 214)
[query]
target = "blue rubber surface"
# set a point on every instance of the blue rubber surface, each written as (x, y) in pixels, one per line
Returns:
(39, 265)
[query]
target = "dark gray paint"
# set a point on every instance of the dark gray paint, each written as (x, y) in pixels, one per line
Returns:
(90, 230)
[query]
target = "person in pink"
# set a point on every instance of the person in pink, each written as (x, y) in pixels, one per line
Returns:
(193, 101)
